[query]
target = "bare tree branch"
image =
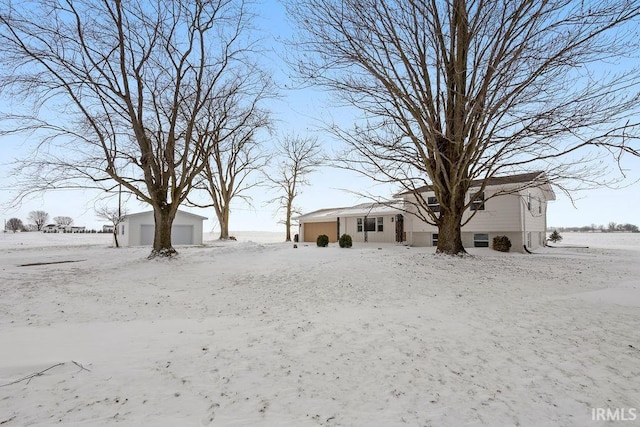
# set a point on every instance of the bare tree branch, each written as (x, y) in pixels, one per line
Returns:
(297, 158)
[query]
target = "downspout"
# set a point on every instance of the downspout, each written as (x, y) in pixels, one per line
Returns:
(524, 204)
(366, 233)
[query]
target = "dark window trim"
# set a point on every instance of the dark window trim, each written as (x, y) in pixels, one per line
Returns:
(480, 243)
(477, 201)
(433, 204)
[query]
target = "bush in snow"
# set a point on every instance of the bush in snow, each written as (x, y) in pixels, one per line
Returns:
(555, 236)
(501, 243)
(323, 241)
(345, 241)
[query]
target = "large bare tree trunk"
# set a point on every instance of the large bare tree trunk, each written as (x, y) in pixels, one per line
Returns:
(162, 246)
(449, 225)
(287, 222)
(223, 219)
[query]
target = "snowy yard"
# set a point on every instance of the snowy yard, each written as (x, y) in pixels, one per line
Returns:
(245, 333)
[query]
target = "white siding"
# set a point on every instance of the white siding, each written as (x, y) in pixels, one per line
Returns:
(506, 214)
(147, 234)
(349, 225)
(501, 214)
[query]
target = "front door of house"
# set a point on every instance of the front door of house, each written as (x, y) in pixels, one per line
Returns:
(399, 228)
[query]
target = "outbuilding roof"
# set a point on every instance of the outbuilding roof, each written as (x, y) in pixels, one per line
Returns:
(151, 212)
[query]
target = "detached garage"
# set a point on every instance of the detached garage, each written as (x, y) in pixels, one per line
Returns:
(138, 229)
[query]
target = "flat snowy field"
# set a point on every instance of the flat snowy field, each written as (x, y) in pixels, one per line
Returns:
(255, 332)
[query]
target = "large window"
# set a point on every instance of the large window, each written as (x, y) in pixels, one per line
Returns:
(432, 204)
(477, 202)
(369, 224)
(481, 240)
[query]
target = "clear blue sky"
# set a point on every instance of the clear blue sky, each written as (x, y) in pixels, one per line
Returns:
(299, 111)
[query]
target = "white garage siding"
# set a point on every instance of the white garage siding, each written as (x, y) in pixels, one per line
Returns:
(180, 234)
(147, 233)
(139, 229)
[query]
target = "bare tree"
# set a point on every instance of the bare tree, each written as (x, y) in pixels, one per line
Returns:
(298, 158)
(115, 215)
(38, 218)
(15, 224)
(237, 153)
(63, 221)
(459, 90)
(128, 85)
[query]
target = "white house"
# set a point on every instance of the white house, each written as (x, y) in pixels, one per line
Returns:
(138, 229)
(368, 222)
(514, 206)
(50, 228)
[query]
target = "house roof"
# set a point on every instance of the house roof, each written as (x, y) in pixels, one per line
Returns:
(151, 212)
(538, 178)
(364, 209)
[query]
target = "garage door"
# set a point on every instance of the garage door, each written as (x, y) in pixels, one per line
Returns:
(147, 232)
(180, 234)
(313, 229)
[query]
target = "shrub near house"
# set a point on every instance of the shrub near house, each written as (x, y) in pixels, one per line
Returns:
(322, 241)
(345, 241)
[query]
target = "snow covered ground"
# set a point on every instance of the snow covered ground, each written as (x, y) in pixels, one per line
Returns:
(255, 332)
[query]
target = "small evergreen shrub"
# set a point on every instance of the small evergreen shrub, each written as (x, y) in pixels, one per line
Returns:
(323, 241)
(501, 243)
(555, 236)
(345, 241)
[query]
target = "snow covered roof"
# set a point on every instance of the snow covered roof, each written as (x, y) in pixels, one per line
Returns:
(534, 179)
(364, 209)
(151, 212)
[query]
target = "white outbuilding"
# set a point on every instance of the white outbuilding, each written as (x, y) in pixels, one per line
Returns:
(138, 229)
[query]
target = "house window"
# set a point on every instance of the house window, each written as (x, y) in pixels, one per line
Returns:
(380, 223)
(369, 224)
(359, 225)
(540, 207)
(434, 239)
(432, 204)
(122, 229)
(480, 240)
(477, 202)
